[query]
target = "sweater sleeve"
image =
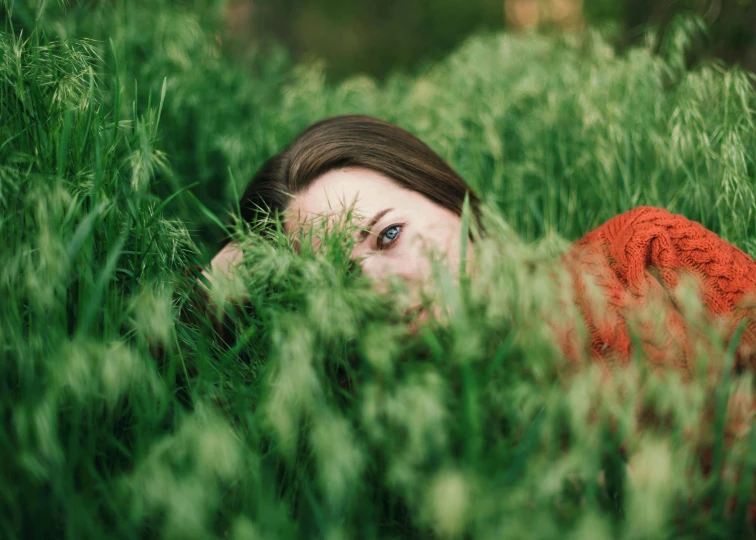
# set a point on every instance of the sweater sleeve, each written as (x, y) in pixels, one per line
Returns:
(627, 277)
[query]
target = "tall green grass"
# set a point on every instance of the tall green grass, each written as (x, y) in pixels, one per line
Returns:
(129, 411)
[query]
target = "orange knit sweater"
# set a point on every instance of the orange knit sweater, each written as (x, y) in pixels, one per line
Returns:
(628, 283)
(627, 275)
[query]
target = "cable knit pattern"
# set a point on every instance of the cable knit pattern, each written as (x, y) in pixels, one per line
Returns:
(626, 275)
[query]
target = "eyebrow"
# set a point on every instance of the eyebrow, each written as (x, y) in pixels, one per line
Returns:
(369, 227)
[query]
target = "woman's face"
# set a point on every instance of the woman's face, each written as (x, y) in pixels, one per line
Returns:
(399, 230)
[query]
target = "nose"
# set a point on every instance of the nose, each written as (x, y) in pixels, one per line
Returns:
(379, 274)
(382, 271)
(371, 266)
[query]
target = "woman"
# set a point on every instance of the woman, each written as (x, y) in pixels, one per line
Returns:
(407, 201)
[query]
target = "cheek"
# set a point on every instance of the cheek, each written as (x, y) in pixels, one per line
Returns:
(442, 240)
(405, 262)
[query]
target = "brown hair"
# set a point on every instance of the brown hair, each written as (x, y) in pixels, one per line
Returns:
(355, 141)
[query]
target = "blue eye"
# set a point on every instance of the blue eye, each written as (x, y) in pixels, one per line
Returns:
(392, 233)
(389, 235)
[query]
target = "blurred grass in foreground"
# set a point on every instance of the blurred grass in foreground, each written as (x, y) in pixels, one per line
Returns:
(318, 412)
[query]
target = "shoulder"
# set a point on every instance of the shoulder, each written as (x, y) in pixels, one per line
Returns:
(643, 220)
(643, 215)
(626, 238)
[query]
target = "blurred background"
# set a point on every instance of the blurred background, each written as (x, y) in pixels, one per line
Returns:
(242, 77)
(379, 37)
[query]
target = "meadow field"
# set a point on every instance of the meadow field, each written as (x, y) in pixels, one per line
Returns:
(128, 411)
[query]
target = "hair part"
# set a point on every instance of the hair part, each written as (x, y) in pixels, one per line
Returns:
(354, 141)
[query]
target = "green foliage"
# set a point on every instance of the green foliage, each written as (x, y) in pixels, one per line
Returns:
(130, 408)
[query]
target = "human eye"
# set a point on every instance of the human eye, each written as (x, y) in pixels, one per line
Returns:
(388, 236)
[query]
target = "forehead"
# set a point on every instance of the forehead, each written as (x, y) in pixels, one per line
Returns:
(363, 191)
